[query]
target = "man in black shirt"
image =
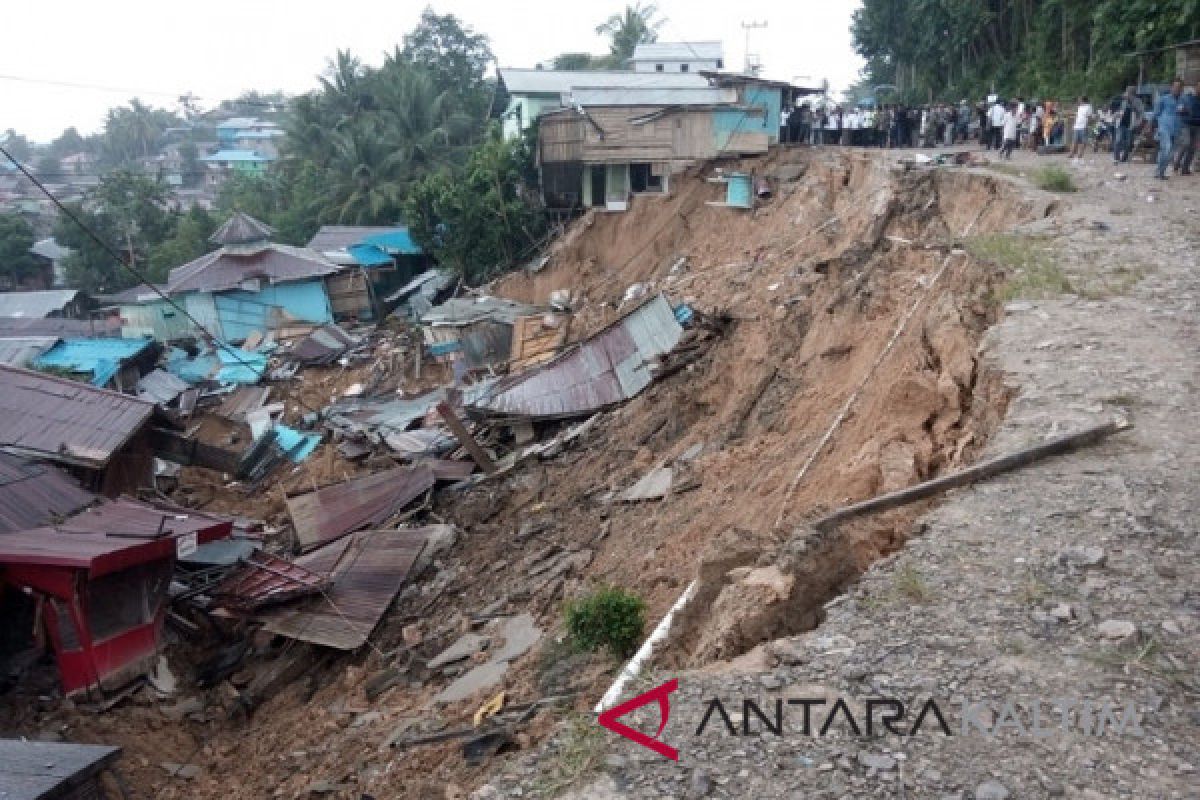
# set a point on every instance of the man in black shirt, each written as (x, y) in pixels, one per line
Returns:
(1128, 118)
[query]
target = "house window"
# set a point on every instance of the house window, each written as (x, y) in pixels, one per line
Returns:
(643, 179)
(720, 63)
(658, 67)
(683, 67)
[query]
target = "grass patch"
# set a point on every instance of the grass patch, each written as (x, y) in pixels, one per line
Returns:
(1054, 179)
(1034, 272)
(1006, 169)
(1117, 281)
(578, 751)
(609, 618)
(910, 584)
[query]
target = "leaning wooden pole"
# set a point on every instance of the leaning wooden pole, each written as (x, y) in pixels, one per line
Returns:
(973, 474)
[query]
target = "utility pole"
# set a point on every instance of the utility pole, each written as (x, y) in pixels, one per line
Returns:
(753, 64)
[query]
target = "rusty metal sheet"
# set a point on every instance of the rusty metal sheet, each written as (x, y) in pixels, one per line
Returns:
(446, 470)
(369, 570)
(33, 494)
(228, 269)
(242, 401)
(323, 346)
(263, 579)
(609, 367)
(327, 514)
(64, 420)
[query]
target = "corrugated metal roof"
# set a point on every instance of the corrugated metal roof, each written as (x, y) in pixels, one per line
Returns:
(238, 122)
(110, 537)
(18, 351)
(241, 228)
(340, 237)
(160, 387)
(100, 358)
(64, 420)
(327, 514)
(397, 240)
(550, 81)
(678, 51)
(368, 572)
(36, 770)
(35, 304)
(142, 293)
(586, 96)
(33, 494)
(50, 249)
(605, 369)
(242, 401)
(323, 346)
(459, 311)
(263, 579)
(235, 155)
(224, 269)
(364, 255)
(59, 326)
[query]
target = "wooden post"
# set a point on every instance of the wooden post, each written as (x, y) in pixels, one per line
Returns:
(978, 472)
(464, 437)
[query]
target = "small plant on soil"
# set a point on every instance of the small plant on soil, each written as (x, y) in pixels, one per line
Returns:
(1054, 179)
(609, 617)
(576, 752)
(911, 584)
(1034, 271)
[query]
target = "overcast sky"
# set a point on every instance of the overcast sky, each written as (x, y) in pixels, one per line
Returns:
(158, 49)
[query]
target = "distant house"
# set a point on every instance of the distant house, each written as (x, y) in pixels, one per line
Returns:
(51, 255)
(533, 92)
(223, 163)
(234, 128)
(100, 436)
(609, 143)
(252, 284)
(143, 312)
(386, 255)
(677, 57)
(66, 303)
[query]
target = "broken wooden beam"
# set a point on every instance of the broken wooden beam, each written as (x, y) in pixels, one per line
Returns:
(466, 439)
(973, 474)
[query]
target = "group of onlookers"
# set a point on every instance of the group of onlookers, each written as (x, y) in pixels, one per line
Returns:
(1005, 125)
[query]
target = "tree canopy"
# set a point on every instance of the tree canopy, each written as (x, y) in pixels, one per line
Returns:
(16, 237)
(947, 49)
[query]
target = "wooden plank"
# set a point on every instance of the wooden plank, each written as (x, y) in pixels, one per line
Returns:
(466, 439)
(982, 471)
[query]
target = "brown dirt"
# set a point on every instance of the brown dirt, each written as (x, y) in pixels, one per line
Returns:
(814, 302)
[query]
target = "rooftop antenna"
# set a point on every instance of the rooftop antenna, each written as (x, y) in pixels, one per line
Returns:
(753, 64)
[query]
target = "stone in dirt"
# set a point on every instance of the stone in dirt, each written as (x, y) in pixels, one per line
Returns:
(880, 762)
(991, 790)
(1118, 629)
(482, 677)
(699, 785)
(1083, 557)
(467, 645)
(790, 652)
(185, 771)
(654, 485)
(520, 633)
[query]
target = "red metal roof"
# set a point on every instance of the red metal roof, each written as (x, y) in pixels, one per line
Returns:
(110, 537)
(368, 570)
(33, 494)
(264, 579)
(330, 513)
(227, 268)
(64, 420)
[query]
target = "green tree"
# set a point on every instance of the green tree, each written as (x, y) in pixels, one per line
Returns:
(134, 132)
(477, 220)
(16, 237)
(91, 267)
(188, 242)
(68, 143)
(17, 145)
(625, 31)
(578, 61)
(455, 56)
(192, 171)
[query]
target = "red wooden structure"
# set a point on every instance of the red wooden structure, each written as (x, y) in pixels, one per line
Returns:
(100, 579)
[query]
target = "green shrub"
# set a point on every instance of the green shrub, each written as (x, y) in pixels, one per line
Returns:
(608, 617)
(1054, 179)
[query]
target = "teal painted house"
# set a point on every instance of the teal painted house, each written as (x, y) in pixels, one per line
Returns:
(251, 284)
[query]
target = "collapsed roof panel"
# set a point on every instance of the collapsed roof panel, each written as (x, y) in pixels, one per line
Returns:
(612, 366)
(33, 494)
(327, 514)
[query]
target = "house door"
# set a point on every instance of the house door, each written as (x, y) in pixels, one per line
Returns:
(598, 193)
(617, 185)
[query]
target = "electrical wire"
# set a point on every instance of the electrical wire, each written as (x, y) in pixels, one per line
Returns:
(112, 251)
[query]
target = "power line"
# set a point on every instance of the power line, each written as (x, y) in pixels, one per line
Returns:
(112, 251)
(96, 87)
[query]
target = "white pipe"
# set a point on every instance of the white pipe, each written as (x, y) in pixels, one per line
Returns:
(631, 669)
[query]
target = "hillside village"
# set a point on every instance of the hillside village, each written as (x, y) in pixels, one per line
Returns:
(410, 490)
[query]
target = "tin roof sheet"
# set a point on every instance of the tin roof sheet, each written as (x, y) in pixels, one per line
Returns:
(64, 420)
(36, 770)
(160, 387)
(99, 358)
(621, 96)
(459, 311)
(33, 494)
(555, 81)
(226, 269)
(110, 537)
(327, 514)
(35, 304)
(59, 326)
(607, 368)
(18, 351)
(341, 237)
(368, 571)
(678, 51)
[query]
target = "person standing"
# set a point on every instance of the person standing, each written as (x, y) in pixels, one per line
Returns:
(963, 122)
(1167, 122)
(1010, 132)
(996, 121)
(1189, 132)
(1083, 117)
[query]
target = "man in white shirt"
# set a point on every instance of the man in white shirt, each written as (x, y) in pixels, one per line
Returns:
(996, 125)
(1083, 116)
(1010, 132)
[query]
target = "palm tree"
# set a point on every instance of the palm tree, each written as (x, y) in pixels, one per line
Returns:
(636, 25)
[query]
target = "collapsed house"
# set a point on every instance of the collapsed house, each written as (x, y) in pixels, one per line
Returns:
(109, 362)
(100, 436)
(99, 582)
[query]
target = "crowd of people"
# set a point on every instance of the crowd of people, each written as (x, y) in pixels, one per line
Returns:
(1173, 122)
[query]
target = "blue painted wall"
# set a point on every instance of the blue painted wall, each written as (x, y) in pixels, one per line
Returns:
(241, 312)
(728, 122)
